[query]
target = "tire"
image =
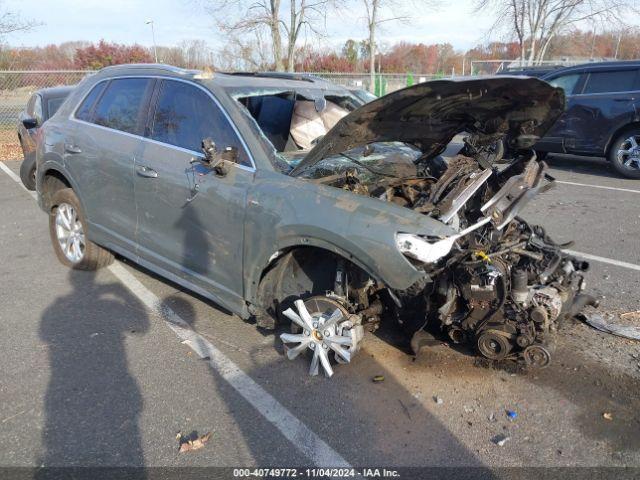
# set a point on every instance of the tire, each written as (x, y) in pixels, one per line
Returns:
(28, 173)
(626, 164)
(67, 217)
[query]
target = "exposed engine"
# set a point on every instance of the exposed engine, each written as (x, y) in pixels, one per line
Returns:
(502, 285)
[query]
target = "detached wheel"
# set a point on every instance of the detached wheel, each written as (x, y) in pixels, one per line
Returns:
(67, 228)
(624, 154)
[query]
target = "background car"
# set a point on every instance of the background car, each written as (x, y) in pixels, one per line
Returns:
(602, 116)
(41, 106)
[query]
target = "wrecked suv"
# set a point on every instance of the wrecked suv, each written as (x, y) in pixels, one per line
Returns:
(286, 200)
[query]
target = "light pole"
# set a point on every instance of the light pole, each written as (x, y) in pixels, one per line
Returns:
(153, 35)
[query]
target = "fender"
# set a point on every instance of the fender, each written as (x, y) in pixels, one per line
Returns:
(353, 254)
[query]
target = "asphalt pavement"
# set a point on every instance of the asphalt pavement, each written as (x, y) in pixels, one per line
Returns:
(107, 368)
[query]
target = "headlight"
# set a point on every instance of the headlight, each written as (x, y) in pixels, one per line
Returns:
(415, 246)
(422, 250)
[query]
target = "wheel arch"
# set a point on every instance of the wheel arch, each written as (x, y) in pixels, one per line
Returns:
(51, 180)
(285, 265)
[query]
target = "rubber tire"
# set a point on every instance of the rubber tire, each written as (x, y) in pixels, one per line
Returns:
(27, 173)
(613, 158)
(95, 257)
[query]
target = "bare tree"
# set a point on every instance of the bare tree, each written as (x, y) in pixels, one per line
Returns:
(11, 22)
(278, 19)
(375, 18)
(535, 23)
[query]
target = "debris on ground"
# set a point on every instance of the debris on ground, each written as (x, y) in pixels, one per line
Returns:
(512, 415)
(598, 322)
(607, 416)
(378, 379)
(500, 440)
(492, 417)
(192, 441)
(438, 400)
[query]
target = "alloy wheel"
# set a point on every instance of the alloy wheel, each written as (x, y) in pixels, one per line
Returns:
(70, 233)
(629, 152)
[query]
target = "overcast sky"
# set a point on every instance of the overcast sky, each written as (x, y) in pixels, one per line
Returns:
(175, 20)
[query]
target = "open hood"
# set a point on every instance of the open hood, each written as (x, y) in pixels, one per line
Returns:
(429, 115)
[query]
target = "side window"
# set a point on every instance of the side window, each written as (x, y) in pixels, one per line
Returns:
(37, 110)
(85, 110)
(566, 82)
(185, 115)
(121, 105)
(610, 82)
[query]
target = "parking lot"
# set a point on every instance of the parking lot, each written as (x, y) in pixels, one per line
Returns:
(107, 368)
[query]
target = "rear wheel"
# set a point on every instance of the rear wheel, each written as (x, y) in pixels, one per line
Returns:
(28, 173)
(624, 153)
(67, 228)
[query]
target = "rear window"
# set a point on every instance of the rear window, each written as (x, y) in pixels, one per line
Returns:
(121, 105)
(85, 110)
(610, 82)
(54, 104)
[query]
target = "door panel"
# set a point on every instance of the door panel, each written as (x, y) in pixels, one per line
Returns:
(191, 221)
(100, 154)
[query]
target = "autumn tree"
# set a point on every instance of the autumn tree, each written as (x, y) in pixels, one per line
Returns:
(104, 54)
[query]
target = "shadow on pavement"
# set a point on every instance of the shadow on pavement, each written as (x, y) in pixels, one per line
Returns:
(92, 402)
(583, 165)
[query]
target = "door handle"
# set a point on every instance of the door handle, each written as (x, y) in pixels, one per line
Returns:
(72, 148)
(146, 172)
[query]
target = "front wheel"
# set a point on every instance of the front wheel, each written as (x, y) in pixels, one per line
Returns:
(624, 154)
(67, 228)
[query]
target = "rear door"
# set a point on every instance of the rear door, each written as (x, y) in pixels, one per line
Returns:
(100, 154)
(191, 221)
(606, 102)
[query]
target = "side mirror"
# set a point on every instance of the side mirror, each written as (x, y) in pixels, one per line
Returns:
(30, 123)
(215, 160)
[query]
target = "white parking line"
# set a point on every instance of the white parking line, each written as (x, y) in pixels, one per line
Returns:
(302, 437)
(610, 261)
(628, 190)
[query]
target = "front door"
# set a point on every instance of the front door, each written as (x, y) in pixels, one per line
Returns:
(190, 220)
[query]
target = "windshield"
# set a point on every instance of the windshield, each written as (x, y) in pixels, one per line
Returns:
(380, 159)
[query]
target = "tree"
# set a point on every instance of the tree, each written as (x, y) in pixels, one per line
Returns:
(535, 23)
(254, 17)
(98, 56)
(11, 22)
(350, 51)
(375, 18)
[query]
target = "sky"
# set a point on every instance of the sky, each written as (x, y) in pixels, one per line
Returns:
(123, 21)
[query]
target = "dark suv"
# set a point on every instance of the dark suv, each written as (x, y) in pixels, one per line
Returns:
(602, 117)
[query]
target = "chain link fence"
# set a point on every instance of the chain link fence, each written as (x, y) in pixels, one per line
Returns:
(17, 86)
(391, 81)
